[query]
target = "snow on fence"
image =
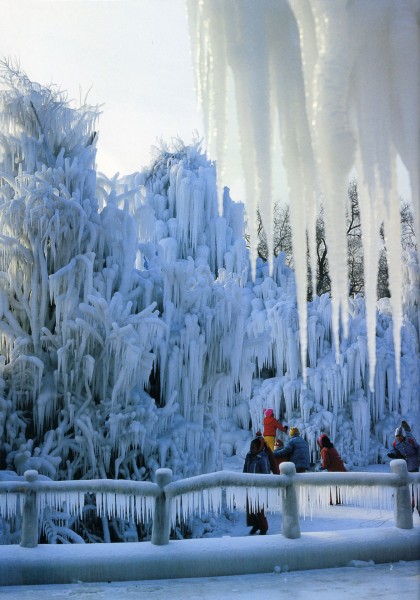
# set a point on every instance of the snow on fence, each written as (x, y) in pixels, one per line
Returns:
(167, 501)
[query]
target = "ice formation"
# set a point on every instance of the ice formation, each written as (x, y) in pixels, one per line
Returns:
(338, 84)
(133, 334)
(203, 495)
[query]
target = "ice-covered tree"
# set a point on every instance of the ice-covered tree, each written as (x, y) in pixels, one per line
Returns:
(77, 336)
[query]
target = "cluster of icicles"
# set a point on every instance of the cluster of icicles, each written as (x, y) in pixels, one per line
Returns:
(184, 506)
(331, 101)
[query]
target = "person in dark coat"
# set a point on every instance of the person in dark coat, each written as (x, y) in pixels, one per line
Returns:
(274, 463)
(257, 461)
(296, 450)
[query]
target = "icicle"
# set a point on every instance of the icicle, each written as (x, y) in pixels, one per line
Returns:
(236, 497)
(319, 497)
(9, 504)
(125, 506)
(361, 427)
(312, 497)
(211, 500)
(74, 501)
(348, 100)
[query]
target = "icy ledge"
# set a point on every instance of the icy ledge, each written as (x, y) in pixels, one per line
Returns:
(213, 557)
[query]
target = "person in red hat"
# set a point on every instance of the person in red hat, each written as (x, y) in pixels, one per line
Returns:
(270, 427)
(330, 461)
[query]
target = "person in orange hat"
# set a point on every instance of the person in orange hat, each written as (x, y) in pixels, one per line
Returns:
(270, 427)
(296, 450)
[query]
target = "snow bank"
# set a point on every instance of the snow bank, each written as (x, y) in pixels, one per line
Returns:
(203, 558)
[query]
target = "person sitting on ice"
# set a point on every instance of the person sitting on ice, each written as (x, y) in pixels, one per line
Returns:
(270, 427)
(330, 459)
(257, 461)
(296, 450)
(405, 446)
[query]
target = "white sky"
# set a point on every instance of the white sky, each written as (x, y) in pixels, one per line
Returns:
(133, 56)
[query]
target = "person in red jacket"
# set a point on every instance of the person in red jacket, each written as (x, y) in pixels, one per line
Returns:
(270, 426)
(330, 461)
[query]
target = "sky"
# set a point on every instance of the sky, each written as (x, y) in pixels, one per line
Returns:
(132, 57)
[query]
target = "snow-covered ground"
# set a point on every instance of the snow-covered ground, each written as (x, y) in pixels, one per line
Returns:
(360, 581)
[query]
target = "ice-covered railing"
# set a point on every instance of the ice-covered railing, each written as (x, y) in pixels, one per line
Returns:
(294, 494)
(114, 498)
(167, 501)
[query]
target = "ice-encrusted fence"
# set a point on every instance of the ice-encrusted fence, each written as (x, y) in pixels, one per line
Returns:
(167, 501)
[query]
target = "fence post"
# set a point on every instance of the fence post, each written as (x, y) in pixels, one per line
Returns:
(30, 514)
(161, 521)
(290, 527)
(403, 513)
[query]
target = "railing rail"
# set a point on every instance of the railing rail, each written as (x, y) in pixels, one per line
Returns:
(164, 491)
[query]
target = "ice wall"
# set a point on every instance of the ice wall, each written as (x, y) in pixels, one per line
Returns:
(234, 339)
(338, 85)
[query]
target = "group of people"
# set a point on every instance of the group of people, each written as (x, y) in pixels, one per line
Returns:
(266, 453)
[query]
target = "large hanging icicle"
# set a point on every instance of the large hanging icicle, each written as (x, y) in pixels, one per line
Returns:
(341, 100)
